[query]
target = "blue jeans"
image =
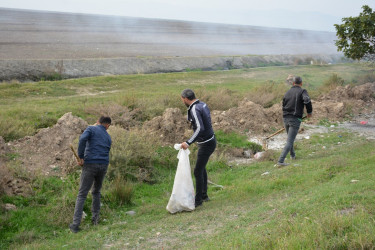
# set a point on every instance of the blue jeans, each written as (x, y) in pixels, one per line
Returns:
(92, 176)
(291, 126)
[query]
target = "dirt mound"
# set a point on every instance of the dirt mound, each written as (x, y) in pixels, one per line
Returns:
(171, 127)
(364, 92)
(345, 101)
(48, 151)
(248, 116)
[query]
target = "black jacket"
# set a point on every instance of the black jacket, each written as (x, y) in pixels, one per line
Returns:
(200, 118)
(294, 102)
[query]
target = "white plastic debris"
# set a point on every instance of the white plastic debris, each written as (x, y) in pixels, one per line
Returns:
(259, 155)
(182, 198)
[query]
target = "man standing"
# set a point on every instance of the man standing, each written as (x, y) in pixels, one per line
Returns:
(294, 102)
(93, 151)
(200, 119)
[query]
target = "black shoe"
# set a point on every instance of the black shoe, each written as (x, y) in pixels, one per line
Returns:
(206, 199)
(198, 204)
(74, 229)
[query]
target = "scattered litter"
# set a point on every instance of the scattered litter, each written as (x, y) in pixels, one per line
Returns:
(158, 234)
(84, 215)
(307, 137)
(131, 213)
(297, 165)
(258, 155)
(363, 122)
(324, 147)
(265, 173)
(332, 126)
(353, 181)
(340, 136)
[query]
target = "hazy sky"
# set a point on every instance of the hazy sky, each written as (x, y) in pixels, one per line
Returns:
(296, 14)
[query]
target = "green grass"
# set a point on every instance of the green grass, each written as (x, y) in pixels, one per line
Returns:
(313, 203)
(38, 105)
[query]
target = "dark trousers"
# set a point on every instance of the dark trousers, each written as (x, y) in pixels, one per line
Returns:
(204, 152)
(291, 126)
(92, 176)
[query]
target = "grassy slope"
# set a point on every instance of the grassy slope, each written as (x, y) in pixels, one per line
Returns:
(312, 205)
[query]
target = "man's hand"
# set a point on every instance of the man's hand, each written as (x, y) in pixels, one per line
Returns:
(80, 162)
(184, 145)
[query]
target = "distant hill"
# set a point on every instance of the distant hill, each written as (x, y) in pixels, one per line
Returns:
(26, 34)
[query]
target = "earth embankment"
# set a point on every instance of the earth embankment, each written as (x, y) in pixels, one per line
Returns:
(75, 68)
(36, 44)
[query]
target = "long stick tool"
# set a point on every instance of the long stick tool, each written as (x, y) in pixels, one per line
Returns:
(75, 153)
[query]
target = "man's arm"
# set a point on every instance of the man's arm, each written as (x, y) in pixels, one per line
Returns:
(307, 102)
(82, 143)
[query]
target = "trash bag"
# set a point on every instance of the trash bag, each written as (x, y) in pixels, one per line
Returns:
(182, 198)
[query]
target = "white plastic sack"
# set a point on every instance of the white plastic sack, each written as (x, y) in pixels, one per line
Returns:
(182, 198)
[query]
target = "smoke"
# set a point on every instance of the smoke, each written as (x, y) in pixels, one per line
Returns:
(53, 35)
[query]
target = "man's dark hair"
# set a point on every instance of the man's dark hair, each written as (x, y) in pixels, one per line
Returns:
(297, 80)
(105, 120)
(188, 93)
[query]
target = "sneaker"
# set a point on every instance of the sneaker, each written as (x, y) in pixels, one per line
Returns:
(74, 229)
(198, 204)
(293, 157)
(281, 164)
(206, 199)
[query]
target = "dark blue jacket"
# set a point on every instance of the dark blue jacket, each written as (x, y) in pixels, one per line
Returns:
(94, 145)
(200, 118)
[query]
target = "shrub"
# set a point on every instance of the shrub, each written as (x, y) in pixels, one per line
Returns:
(331, 83)
(120, 115)
(268, 94)
(365, 78)
(121, 191)
(131, 154)
(220, 99)
(51, 77)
